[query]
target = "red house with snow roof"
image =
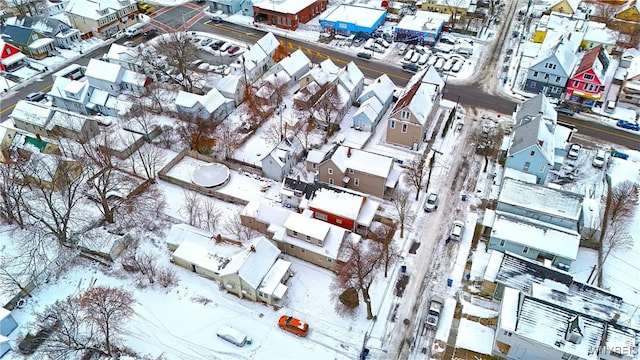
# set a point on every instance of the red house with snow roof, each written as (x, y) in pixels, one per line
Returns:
(588, 81)
(346, 210)
(11, 58)
(287, 14)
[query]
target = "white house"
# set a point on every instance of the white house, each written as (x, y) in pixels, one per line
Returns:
(232, 87)
(381, 88)
(352, 79)
(295, 65)
(277, 164)
(212, 105)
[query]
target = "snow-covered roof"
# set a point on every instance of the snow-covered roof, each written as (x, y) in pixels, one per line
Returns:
(99, 97)
(253, 263)
(316, 156)
(367, 212)
(284, 6)
(254, 55)
(330, 247)
(134, 78)
(212, 100)
(371, 108)
(542, 199)
(359, 15)
(271, 282)
(31, 113)
(519, 175)
(559, 46)
(179, 232)
(121, 53)
(62, 85)
(346, 158)
(325, 72)
(269, 43)
(423, 21)
(535, 124)
(41, 42)
(351, 76)
(343, 204)
(102, 70)
(290, 146)
(307, 226)
(546, 240)
(44, 166)
(91, 9)
(382, 87)
(229, 83)
(186, 99)
(203, 251)
(418, 94)
(265, 213)
(599, 33)
(295, 62)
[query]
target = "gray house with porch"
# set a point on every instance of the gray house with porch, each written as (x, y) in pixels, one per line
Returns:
(552, 67)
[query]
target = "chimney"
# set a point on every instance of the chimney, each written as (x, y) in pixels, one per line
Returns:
(298, 177)
(252, 248)
(348, 152)
(540, 142)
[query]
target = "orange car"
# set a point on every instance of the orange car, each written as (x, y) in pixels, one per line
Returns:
(293, 325)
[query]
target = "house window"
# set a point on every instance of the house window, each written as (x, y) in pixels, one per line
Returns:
(329, 260)
(576, 83)
(507, 333)
(292, 246)
(541, 168)
(320, 242)
(502, 243)
(314, 165)
(588, 76)
(526, 166)
(535, 74)
(295, 233)
(302, 250)
(338, 221)
(331, 181)
(525, 250)
(404, 115)
(558, 79)
(546, 76)
(356, 182)
(330, 171)
(404, 128)
(533, 153)
(350, 171)
(308, 238)
(532, 84)
(320, 216)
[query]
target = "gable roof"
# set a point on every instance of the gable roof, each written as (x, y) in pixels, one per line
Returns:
(351, 76)
(426, 76)
(46, 25)
(535, 126)
(588, 62)
(90, 9)
(345, 158)
(269, 43)
(295, 62)
(541, 199)
(102, 70)
(370, 108)
(560, 48)
(289, 145)
(253, 263)
(325, 72)
(382, 88)
(18, 34)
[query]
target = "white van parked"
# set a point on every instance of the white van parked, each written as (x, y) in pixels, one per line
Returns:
(233, 336)
(134, 30)
(464, 49)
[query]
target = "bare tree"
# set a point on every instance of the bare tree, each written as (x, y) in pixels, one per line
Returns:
(415, 174)
(233, 226)
(364, 258)
(606, 12)
(12, 190)
(228, 139)
(401, 204)
(326, 109)
(489, 141)
(274, 133)
(109, 308)
(57, 187)
(200, 212)
(384, 235)
(150, 157)
(255, 111)
(452, 7)
(172, 57)
(197, 132)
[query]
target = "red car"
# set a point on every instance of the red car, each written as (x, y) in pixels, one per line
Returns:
(293, 325)
(234, 49)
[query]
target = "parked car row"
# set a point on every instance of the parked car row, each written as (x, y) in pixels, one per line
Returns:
(439, 62)
(217, 45)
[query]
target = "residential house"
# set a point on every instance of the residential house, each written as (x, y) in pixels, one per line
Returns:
(587, 83)
(120, 142)
(551, 68)
(51, 171)
(31, 42)
(559, 22)
(416, 108)
(294, 191)
(253, 63)
(228, 7)
(232, 87)
(65, 36)
(260, 216)
(307, 96)
(630, 11)
(324, 73)
(354, 169)
(269, 44)
(7, 136)
(272, 90)
(331, 107)
(311, 240)
(352, 80)
(598, 34)
(630, 89)
(11, 59)
(368, 115)
(347, 210)
(282, 158)
(569, 7)
(543, 241)
(459, 8)
(212, 105)
(382, 88)
(287, 14)
(123, 56)
(552, 322)
(102, 18)
(627, 57)
(72, 95)
(532, 147)
(295, 65)
(7, 325)
(546, 205)
(255, 272)
(51, 122)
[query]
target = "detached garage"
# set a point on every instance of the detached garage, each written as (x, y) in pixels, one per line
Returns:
(349, 19)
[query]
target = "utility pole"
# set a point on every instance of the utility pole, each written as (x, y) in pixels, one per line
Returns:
(432, 162)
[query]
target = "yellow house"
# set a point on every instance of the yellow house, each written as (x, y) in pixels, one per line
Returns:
(629, 12)
(568, 7)
(6, 139)
(461, 7)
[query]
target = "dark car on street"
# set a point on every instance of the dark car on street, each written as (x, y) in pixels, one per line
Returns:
(410, 67)
(151, 33)
(364, 55)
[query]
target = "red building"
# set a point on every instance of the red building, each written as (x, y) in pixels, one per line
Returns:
(587, 83)
(287, 14)
(346, 210)
(11, 58)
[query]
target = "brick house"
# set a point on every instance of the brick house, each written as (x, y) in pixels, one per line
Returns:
(287, 14)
